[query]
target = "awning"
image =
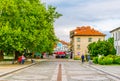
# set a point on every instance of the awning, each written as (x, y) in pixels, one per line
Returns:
(59, 53)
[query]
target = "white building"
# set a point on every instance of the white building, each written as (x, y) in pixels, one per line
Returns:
(116, 34)
(62, 46)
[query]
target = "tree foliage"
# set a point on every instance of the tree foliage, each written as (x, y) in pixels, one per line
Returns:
(105, 47)
(27, 24)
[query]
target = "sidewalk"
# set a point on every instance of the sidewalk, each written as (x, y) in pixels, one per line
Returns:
(7, 68)
(113, 70)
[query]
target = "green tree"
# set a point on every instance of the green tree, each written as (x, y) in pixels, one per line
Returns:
(105, 47)
(111, 44)
(27, 24)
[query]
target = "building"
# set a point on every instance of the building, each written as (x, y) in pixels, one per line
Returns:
(61, 49)
(81, 37)
(116, 34)
(61, 46)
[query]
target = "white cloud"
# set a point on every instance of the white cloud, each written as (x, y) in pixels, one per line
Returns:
(107, 25)
(51, 2)
(63, 32)
(103, 15)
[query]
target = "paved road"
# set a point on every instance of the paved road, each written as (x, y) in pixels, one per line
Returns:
(76, 71)
(50, 71)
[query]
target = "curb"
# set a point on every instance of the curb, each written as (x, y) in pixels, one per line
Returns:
(20, 68)
(17, 69)
(111, 74)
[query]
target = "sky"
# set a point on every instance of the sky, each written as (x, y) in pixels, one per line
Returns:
(102, 15)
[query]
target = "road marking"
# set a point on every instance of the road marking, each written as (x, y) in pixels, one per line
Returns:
(59, 76)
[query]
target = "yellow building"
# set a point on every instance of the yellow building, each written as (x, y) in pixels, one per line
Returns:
(81, 37)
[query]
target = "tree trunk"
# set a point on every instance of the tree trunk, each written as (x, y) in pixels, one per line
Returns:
(16, 54)
(1, 55)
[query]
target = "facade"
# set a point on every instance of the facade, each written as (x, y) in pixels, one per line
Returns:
(116, 34)
(81, 37)
(62, 46)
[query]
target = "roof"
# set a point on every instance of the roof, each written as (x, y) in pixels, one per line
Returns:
(114, 29)
(63, 42)
(86, 31)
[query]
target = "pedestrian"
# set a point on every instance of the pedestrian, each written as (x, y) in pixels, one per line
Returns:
(88, 58)
(23, 59)
(82, 57)
(19, 59)
(71, 54)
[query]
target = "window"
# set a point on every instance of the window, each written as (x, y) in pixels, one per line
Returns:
(118, 35)
(78, 46)
(59, 44)
(113, 34)
(89, 39)
(118, 49)
(78, 39)
(99, 39)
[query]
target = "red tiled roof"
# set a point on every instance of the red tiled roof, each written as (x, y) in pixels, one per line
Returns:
(87, 31)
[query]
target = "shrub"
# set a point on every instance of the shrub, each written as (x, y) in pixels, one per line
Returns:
(108, 60)
(7, 59)
(112, 56)
(101, 60)
(117, 60)
(95, 60)
(114, 59)
(105, 60)
(91, 57)
(66, 56)
(77, 57)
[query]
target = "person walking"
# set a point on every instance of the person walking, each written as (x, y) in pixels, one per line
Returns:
(82, 57)
(23, 59)
(88, 58)
(71, 54)
(19, 59)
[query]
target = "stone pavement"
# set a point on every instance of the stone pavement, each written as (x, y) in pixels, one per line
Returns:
(110, 69)
(9, 68)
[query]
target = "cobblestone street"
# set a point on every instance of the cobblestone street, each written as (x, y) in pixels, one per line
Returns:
(49, 71)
